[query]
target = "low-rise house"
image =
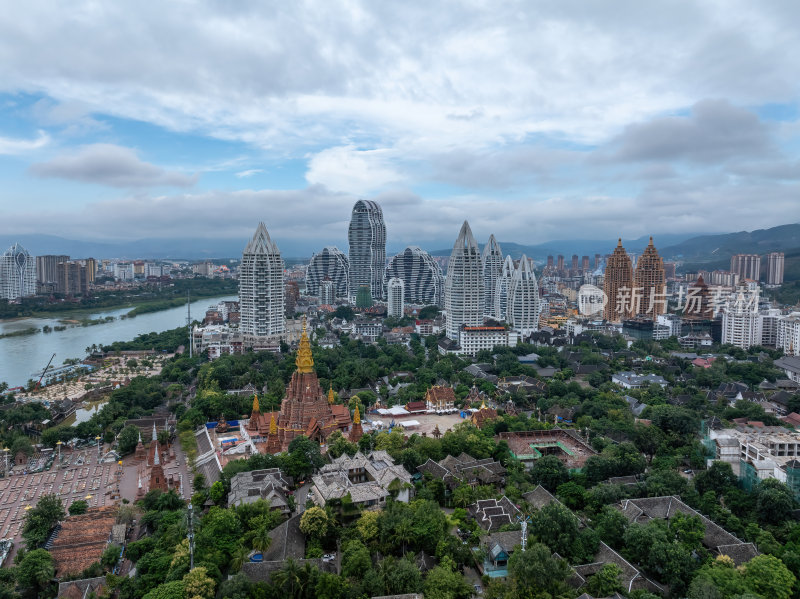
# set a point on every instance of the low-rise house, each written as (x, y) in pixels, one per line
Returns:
(79, 541)
(491, 514)
(366, 479)
(269, 484)
(465, 469)
(631, 380)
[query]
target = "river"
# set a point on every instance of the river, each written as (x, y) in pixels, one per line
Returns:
(20, 357)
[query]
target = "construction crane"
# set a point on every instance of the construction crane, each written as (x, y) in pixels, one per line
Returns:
(39, 382)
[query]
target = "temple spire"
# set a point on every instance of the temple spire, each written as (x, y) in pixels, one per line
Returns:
(256, 409)
(356, 416)
(304, 360)
(273, 426)
(156, 459)
(330, 395)
(155, 434)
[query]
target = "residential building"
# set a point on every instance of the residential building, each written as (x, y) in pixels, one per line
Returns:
(566, 445)
(618, 285)
(741, 322)
(769, 326)
(791, 366)
(123, 271)
(269, 484)
(523, 299)
(492, 260)
(649, 299)
(327, 292)
(366, 480)
(789, 334)
(367, 252)
(631, 380)
(330, 264)
(421, 276)
(394, 298)
(464, 469)
(775, 268)
(17, 273)
(474, 339)
(502, 288)
(747, 266)
(698, 304)
(464, 292)
(46, 267)
(492, 514)
(74, 277)
(261, 295)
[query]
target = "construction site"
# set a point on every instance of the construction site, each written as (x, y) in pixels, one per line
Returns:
(567, 446)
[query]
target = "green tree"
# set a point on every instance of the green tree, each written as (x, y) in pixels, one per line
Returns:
(774, 501)
(36, 570)
(549, 472)
(606, 582)
(610, 525)
(535, 571)
(169, 590)
(355, 559)
(40, 520)
(769, 577)
(77, 507)
(367, 526)
(445, 582)
(198, 584)
(128, 439)
(314, 522)
(217, 492)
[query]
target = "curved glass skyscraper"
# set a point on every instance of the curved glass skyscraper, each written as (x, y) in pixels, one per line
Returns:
(367, 239)
(492, 259)
(332, 264)
(523, 299)
(463, 296)
(421, 276)
(17, 273)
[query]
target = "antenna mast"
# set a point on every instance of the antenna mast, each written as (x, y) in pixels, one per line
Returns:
(189, 321)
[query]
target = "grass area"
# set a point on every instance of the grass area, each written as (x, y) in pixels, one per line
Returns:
(189, 446)
(21, 332)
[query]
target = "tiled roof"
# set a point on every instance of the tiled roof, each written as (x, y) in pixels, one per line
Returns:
(82, 539)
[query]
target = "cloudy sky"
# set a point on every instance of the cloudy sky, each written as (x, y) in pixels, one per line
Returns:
(533, 120)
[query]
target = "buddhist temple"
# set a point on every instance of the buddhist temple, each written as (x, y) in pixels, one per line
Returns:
(157, 478)
(141, 453)
(440, 400)
(618, 285)
(305, 409)
(356, 432)
(482, 415)
(698, 304)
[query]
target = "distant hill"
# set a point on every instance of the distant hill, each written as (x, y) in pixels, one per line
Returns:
(719, 248)
(581, 247)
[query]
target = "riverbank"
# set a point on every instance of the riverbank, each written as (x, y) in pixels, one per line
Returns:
(148, 300)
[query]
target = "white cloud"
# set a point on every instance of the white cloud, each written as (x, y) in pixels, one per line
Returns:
(249, 173)
(12, 146)
(350, 170)
(112, 165)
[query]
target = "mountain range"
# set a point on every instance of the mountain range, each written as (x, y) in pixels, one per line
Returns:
(683, 247)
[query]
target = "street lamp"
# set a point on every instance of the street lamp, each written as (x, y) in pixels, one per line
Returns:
(58, 463)
(97, 438)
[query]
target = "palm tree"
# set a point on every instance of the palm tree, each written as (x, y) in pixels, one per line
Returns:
(289, 579)
(239, 557)
(404, 533)
(262, 540)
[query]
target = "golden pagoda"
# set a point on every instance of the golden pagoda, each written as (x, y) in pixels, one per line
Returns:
(356, 432)
(305, 410)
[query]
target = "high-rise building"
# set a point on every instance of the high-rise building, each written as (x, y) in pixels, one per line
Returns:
(72, 278)
(741, 323)
(492, 258)
(46, 267)
(775, 268)
(618, 285)
(502, 289)
(327, 292)
(585, 264)
(17, 273)
(330, 264)
(463, 288)
(789, 334)
(560, 264)
(367, 253)
(747, 266)
(394, 298)
(575, 264)
(669, 271)
(523, 299)
(650, 297)
(597, 260)
(261, 295)
(421, 276)
(550, 262)
(291, 295)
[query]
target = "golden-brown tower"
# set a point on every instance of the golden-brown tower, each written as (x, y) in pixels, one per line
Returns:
(650, 298)
(618, 284)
